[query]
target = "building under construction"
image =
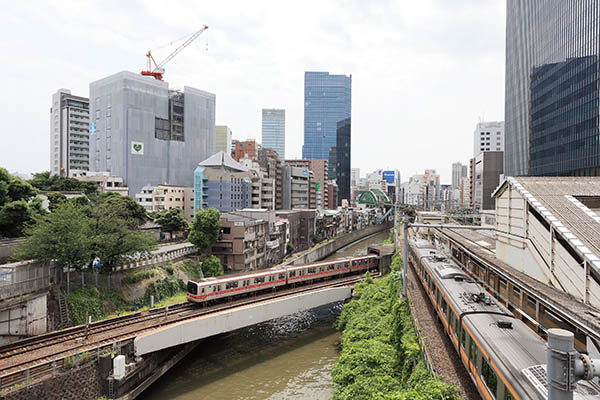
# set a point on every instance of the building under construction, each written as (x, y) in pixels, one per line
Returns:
(147, 134)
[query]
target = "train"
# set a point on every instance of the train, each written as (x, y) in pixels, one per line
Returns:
(231, 286)
(504, 357)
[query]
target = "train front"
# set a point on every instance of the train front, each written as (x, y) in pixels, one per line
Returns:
(193, 292)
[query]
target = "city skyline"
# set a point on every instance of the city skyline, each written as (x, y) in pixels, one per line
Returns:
(423, 55)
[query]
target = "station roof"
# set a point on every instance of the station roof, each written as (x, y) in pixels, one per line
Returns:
(571, 205)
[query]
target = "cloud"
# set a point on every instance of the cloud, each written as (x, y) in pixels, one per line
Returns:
(423, 72)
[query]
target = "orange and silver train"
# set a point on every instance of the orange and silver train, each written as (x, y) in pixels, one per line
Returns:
(229, 286)
(504, 357)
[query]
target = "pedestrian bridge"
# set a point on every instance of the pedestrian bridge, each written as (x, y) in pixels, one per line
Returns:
(240, 317)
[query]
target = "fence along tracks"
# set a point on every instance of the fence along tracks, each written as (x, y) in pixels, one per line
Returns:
(31, 359)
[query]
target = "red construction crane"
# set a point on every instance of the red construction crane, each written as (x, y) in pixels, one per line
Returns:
(159, 70)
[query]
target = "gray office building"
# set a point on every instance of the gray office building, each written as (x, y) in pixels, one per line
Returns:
(69, 134)
(551, 92)
(273, 130)
(148, 134)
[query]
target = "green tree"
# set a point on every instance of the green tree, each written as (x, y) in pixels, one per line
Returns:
(14, 217)
(211, 266)
(123, 207)
(56, 183)
(205, 229)
(172, 220)
(114, 238)
(55, 199)
(63, 235)
(16, 208)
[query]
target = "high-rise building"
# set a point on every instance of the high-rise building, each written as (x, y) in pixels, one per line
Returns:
(223, 138)
(273, 130)
(459, 172)
(488, 136)
(342, 159)
(148, 134)
(327, 101)
(551, 92)
(486, 169)
(69, 133)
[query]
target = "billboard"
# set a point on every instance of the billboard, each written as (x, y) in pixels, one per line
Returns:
(390, 177)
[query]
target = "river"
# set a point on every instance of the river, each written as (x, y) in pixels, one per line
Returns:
(287, 358)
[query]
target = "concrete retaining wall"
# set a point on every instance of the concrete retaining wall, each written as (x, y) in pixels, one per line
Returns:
(7, 248)
(79, 383)
(326, 249)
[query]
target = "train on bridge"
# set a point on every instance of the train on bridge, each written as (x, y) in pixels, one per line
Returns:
(250, 283)
(504, 357)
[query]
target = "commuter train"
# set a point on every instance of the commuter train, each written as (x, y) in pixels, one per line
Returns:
(504, 357)
(229, 286)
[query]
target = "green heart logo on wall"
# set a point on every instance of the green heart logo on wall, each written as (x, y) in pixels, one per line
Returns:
(137, 147)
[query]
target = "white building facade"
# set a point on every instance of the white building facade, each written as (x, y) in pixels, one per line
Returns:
(69, 133)
(488, 136)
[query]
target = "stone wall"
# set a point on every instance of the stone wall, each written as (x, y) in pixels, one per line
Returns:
(78, 383)
(326, 249)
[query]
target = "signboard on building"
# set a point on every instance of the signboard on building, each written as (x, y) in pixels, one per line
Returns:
(389, 177)
(137, 148)
(317, 186)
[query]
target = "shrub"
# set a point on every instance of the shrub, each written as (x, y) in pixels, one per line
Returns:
(381, 355)
(138, 276)
(169, 269)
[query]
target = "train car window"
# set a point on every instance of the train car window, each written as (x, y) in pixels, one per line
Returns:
(292, 274)
(508, 396)
(445, 307)
(321, 269)
(271, 278)
(301, 272)
(202, 290)
(260, 279)
(473, 352)
(456, 324)
(219, 288)
(489, 377)
(281, 276)
(462, 338)
(214, 289)
(312, 270)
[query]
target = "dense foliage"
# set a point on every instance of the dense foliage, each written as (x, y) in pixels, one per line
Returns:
(205, 229)
(172, 220)
(164, 288)
(44, 181)
(209, 266)
(18, 207)
(92, 301)
(136, 277)
(381, 356)
(78, 231)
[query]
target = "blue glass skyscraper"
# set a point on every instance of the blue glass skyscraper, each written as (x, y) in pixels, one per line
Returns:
(327, 101)
(273, 130)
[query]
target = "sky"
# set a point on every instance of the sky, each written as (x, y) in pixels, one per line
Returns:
(423, 72)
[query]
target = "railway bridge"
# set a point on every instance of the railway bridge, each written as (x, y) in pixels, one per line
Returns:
(122, 356)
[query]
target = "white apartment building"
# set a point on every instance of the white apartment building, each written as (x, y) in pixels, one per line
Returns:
(69, 133)
(488, 136)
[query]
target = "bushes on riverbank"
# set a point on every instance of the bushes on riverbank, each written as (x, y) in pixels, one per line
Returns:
(381, 356)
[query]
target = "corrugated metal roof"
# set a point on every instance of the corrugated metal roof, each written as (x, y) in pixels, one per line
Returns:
(556, 199)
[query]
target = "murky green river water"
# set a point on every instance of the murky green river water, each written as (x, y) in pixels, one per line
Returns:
(287, 358)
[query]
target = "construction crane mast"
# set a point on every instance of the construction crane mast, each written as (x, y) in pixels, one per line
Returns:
(158, 70)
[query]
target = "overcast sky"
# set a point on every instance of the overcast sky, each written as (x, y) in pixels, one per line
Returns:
(423, 72)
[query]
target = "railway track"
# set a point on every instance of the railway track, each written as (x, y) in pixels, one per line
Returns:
(34, 358)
